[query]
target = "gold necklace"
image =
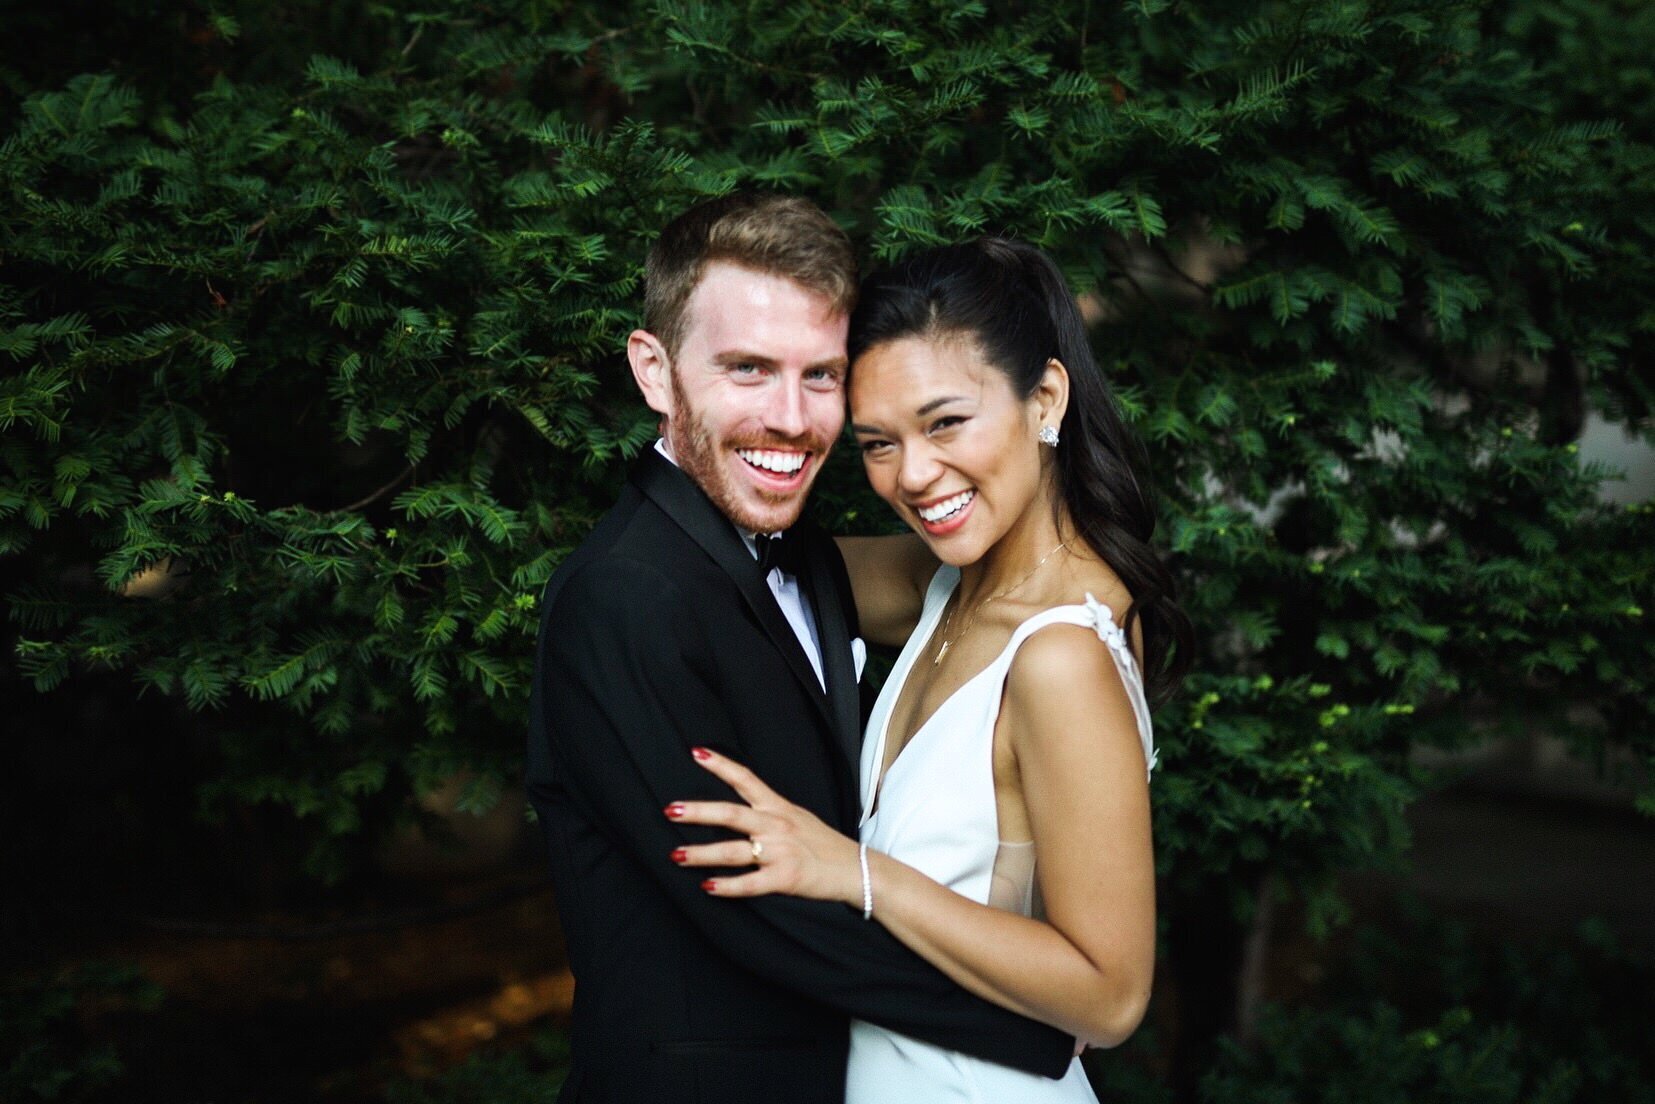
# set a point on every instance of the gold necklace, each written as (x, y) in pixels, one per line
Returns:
(948, 622)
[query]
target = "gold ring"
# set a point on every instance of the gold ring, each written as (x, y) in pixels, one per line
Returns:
(758, 849)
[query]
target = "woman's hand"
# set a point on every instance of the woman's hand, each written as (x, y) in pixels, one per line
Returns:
(794, 852)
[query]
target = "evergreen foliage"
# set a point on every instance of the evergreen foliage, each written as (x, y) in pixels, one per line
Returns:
(312, 319)
(1429, 1014)
(48, 1056)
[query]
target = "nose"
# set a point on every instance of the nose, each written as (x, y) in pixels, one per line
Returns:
(784, 415)
(919, 469)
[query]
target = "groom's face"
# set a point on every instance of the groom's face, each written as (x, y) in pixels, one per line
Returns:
(756, 394)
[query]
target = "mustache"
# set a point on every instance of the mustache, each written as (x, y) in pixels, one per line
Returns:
(807, 443)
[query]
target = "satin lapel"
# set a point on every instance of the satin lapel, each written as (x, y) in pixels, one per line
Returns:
(834, 636)
(687, 505)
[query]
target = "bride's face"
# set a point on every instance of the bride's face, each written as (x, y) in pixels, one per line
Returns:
(948, 443)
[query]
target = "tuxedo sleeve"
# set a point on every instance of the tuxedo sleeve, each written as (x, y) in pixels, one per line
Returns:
(627, 689)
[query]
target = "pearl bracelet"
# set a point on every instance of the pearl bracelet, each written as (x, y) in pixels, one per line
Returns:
(867, 883)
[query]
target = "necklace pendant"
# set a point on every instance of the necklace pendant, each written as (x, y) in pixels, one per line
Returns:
(942, 651)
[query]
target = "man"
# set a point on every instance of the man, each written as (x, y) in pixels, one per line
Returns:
(664, 631)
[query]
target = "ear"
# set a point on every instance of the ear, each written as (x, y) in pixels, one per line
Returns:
(1050, 399)
(651, 370)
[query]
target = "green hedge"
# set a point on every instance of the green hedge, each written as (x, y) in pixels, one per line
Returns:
(1428, 1013)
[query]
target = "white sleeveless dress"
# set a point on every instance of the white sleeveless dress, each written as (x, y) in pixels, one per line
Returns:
(935, 811)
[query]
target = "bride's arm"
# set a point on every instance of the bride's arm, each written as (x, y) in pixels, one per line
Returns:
(1087, 968)
(888, 576)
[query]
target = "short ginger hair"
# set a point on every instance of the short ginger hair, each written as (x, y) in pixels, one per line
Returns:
(778, 235)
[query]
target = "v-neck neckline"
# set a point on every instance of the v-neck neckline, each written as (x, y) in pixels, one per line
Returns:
(905, 671)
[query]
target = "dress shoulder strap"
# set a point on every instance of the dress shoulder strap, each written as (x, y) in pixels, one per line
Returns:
(940, 589)
(1097, 616)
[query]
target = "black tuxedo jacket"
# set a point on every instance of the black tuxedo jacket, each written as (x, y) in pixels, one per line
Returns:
(657, 634)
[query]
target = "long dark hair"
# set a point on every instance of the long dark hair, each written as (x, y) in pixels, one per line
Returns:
(1012, 299)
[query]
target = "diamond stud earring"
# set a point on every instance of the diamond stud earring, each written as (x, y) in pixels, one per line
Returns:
(1048, 435)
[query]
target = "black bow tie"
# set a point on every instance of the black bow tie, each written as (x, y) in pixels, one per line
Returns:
(779, 551)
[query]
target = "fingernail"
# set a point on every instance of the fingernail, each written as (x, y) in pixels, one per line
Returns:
(675, 810)
(701, 753)
(709, 885)
(679, 855)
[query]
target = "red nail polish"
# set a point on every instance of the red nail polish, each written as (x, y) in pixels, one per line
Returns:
(675, 810)
(701, 753)
(709, 885)
(679, 855)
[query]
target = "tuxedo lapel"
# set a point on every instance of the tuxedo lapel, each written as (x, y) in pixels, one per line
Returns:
(688, 505)
(834, 636)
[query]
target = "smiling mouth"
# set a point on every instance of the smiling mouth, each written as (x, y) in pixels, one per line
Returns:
(782, 464)
(950, 507)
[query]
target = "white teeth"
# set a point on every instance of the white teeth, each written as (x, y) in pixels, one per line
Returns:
(947, 506)
(785, 463)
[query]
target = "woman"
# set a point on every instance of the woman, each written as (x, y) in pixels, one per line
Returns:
(1016, 721)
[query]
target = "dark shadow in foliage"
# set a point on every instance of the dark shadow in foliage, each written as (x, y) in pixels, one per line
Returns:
(531, 1074)
(51, 1050)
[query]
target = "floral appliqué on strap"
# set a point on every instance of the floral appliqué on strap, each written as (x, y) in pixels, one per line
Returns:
(1103, 620)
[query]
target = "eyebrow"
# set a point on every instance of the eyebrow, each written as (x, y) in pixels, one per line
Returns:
(736, 356)
(920, 413)
(934, 403)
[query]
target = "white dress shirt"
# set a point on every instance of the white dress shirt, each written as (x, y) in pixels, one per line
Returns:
(786, 589)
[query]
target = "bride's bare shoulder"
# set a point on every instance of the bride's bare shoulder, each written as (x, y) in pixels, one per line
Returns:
(1064, 687)
(1098, 579)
